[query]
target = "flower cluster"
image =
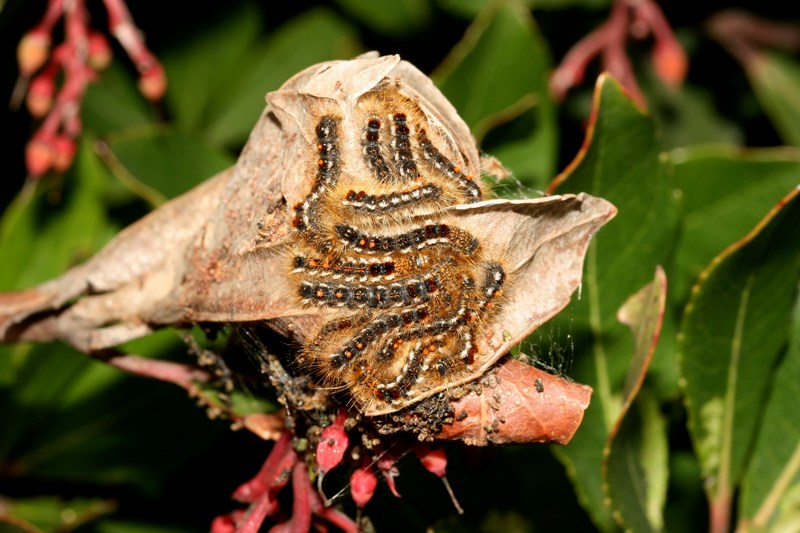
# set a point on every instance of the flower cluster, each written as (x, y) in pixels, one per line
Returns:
(292, 460)
(78, 59)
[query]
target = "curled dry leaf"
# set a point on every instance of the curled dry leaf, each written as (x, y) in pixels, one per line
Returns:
(518, 403)
(222, 252)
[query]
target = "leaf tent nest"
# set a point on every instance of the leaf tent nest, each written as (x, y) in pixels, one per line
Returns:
(221, 253)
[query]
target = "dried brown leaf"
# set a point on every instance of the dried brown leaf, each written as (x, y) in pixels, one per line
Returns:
(519, 404)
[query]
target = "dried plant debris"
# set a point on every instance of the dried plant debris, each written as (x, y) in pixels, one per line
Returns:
(355, 225)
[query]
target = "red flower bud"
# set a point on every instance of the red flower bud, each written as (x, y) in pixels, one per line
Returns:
(63, 153)
(388, 468)
(153, 82)
(670, 62)
(362, 485)
(32, 51)
(333, 443)
(433, 459)
(40, 95)
(223, 524)
(99, 51)
(38, 157)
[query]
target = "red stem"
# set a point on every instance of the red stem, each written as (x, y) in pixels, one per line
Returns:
(253, 489)
(51, 16)
(263, 507)
(176, 373)
(615, 56)
(121, 25)
(572, 68)
(720, 513)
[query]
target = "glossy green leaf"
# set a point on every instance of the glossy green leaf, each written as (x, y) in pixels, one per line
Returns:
(200, 66)
(725, 192)
(398, 17)
(734, 330)
(316, 35)
(621, 162)
(636, 454)
(771, 487)
(161, 163)
(776, 81)
(496, 77)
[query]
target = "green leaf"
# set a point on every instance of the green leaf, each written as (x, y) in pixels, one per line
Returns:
(200, 66)
(471, 8)
(620, 162)
(635, 456)
(316, 35)
(398, 17)
(725, 192)
(511, 115)
(688, 116)
(776, 81)
(70, 417)
(637, 466)
(161, 163)
(114, 103)
(771, 487)
(735, 327)
(53, 514)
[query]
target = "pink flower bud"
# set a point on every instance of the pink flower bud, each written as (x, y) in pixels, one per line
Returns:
(435, 461)
(38, 157)
(32, 51)
(99, 51)
(670, 62)
(333, 443)
(387, 465)
(223, 524)
(40, 95)
(362, 485)
(63, 153)
(153, 82)
(432, 458)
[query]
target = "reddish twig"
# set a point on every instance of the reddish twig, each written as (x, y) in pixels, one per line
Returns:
(639, 18)
(281, 466)
(249, 491)
(185, 376)
(744, 35)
